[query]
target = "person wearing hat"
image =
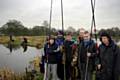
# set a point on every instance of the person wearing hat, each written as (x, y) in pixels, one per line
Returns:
(108, 62)
(59, 41)
(51, 52)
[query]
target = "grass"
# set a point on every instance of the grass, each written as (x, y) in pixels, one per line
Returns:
(33, 41)
(7, 74)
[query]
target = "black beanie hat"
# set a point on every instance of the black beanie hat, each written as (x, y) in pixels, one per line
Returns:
(60, 32)
(104, 33)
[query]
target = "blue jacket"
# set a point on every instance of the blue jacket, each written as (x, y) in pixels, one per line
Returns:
(59, 42)
(51, 52)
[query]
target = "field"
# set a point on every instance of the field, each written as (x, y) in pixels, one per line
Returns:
(34, 41)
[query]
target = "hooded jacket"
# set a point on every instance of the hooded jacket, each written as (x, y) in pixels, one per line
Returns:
(51, 52)
(109, 58)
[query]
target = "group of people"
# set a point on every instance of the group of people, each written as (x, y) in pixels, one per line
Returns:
(67, 58)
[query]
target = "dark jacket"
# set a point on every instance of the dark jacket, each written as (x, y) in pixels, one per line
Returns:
(68, 50)
(109, 58)
(83, 48)
(51, 52)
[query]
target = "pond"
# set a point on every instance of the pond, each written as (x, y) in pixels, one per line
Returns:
(17, 60)
(118, 43)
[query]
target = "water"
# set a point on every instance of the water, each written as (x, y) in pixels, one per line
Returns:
(118, 43)
(17, 60)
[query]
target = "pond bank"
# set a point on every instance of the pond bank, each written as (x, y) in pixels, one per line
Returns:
(33, 41)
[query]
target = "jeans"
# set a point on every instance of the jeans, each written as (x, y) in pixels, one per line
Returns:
(52, 72)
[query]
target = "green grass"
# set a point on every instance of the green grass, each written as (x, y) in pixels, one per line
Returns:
(10, 75)
(33, 41)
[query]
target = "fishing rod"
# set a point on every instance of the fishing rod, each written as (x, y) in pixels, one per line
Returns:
(62, 18)
(48, 34)
(50, 19)
(93, 25)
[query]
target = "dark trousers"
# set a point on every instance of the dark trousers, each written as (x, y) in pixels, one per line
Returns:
(105, 76)
(68, 70)
(83, 72)
(60, 71)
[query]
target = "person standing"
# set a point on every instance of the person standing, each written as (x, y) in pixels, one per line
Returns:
(79, 46)
(108, 62)
(68, 43)
(52, 50)
(86, 56)
(60, 65)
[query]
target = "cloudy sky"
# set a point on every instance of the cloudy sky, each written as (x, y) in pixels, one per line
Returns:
(77, 13)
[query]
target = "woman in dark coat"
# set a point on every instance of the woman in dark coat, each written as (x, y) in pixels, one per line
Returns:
(108, 59)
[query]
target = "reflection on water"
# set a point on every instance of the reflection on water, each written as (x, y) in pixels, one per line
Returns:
(25, 48)
(12, 47)
(17, 60)
(118, 43)
(24, 44)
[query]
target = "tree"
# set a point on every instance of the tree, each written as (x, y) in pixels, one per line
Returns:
(114, 32)
(45, 24)
(14, 27)
(46, 29)
(72, 30)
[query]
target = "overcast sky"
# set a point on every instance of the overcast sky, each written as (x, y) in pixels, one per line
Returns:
(77, 13)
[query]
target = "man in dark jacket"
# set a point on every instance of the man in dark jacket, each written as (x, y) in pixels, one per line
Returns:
(109, 59)
(51, 52)
(68, 43)
(86, 56)
(79, 44)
